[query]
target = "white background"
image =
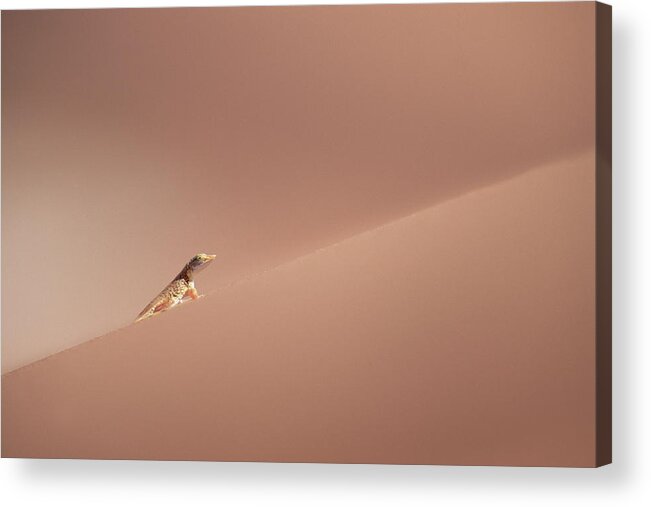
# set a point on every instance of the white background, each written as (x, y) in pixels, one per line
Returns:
(626, 482)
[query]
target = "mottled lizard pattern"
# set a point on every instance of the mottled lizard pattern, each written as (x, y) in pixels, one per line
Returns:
(177, 289)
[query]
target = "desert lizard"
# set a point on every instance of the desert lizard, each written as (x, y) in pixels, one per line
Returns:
(177, 289)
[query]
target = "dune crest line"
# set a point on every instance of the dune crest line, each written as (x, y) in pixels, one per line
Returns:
(253, 276)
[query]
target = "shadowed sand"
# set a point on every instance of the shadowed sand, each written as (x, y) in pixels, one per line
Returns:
(463, 333)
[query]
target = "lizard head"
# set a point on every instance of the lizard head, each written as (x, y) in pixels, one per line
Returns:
(200, 261)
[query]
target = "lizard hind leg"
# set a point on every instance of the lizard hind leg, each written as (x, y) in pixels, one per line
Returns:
(162, 306)
(167, 300)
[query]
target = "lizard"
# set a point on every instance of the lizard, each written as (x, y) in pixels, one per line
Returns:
(177, 289)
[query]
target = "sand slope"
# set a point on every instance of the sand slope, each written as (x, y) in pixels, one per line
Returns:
(461, 334)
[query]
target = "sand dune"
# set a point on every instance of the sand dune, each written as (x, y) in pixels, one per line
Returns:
(463, 333)
(135, 138)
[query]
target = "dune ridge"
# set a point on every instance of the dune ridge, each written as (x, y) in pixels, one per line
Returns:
(579, 156)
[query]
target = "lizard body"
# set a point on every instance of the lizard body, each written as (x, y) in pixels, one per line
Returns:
(177, 289)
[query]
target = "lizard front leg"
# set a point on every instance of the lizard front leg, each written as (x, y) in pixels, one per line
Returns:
(192, 293)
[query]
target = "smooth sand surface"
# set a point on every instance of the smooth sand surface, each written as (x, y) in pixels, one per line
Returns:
(133, 139)
(464, 333)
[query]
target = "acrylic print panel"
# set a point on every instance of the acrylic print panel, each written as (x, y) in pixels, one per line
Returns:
(408, 208)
